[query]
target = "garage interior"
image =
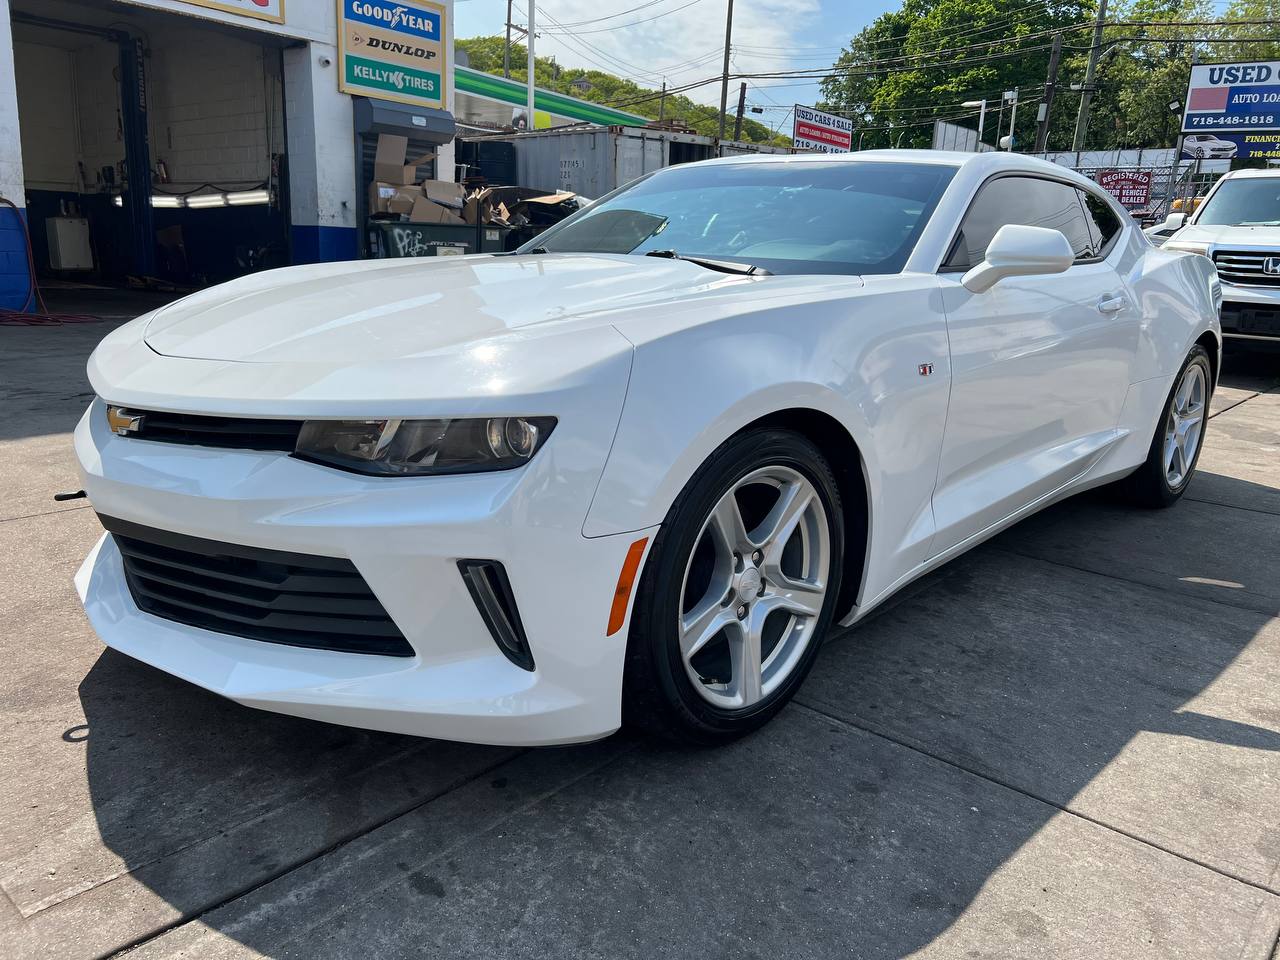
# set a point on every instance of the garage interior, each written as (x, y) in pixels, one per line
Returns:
(105, 90)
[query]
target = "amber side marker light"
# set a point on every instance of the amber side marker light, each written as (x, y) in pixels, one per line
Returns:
(626, 580)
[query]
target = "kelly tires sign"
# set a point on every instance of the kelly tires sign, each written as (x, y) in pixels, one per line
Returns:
(1232, 111)
(393, 50)
(823, 132)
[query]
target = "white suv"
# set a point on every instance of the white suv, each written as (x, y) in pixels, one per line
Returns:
(1238, 228)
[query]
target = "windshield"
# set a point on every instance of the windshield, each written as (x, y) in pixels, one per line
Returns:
(1242, 203)
(808, 217)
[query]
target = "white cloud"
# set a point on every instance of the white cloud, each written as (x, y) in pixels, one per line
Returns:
(682, 43)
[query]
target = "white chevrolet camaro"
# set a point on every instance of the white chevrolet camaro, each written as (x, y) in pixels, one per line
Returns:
(635, 471)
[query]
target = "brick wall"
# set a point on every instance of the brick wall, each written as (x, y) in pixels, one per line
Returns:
(215, 106)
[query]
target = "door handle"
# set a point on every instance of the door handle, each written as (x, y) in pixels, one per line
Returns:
(1112, 304)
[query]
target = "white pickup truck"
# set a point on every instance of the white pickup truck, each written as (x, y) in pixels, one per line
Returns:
(1238, 228)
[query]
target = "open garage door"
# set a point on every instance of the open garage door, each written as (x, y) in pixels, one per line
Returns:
(153, 145)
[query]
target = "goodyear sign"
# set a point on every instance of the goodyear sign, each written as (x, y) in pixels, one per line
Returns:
(393, 50)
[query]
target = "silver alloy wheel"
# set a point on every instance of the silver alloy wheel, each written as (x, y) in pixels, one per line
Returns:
(754, 607)
(1184, 426)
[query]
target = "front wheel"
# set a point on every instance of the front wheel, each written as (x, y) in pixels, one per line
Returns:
(1175, 449)
(738, 592)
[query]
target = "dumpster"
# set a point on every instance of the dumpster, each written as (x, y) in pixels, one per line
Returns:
(391, 238)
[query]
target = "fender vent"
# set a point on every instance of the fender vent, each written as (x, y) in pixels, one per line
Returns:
(491, 590)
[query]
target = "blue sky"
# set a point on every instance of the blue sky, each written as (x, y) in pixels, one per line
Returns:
(683, 40)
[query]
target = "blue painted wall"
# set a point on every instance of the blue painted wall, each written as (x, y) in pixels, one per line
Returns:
(323, 244)
(15, 272)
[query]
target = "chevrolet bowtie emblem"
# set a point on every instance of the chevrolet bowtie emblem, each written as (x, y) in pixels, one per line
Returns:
(123, 422)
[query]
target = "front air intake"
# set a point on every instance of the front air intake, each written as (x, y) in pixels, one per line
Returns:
(491, 590)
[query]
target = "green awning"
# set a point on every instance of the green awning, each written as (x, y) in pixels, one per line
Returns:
(515, 93)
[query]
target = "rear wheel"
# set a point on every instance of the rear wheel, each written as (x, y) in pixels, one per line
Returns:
(1175, 448)
(738, 591)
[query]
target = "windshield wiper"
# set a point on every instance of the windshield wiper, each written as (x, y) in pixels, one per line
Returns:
(1258, 223)
(724, 266)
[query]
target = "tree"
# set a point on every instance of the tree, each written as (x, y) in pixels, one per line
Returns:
(920, 63)
(485, 55)
(917, 64)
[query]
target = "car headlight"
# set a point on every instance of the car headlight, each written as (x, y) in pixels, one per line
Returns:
(410, 448)
(1187, 246)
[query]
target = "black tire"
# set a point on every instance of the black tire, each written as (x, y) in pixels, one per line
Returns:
(1149, 486)
(658, 694)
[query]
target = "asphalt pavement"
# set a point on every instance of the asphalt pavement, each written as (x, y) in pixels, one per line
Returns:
(1064, 744)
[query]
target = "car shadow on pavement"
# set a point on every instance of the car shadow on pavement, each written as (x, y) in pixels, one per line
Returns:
(932, 746)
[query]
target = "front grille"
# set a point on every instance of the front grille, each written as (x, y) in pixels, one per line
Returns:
(268, 595)
(1246, 267)
(238, 433)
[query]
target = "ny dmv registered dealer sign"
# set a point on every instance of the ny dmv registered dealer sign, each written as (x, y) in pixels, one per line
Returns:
(393, 50)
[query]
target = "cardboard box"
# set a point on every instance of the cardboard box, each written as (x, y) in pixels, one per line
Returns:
(451, 195)
(428, 211)
(392, 197)
(389, 163)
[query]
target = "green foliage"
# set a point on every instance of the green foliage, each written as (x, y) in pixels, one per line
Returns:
(485, 54)
(1142, 70)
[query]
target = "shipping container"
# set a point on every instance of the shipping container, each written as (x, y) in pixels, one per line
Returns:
(591, 161)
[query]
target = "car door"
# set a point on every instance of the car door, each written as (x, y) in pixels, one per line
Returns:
(1040, 364)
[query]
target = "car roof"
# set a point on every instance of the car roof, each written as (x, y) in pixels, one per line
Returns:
(1249, 174)
(981, 164)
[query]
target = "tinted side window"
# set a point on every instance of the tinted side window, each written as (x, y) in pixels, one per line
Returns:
(1022, 200)
(1102, 221)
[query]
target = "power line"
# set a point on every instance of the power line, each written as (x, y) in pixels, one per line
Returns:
(612, 16)
(623, 26)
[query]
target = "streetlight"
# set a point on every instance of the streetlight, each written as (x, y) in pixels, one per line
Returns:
(982, 116)
(1011, 95)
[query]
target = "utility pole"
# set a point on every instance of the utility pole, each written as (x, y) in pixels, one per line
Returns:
(1086, 92)
(662, 103)
(742, 105)
(724, 77)
(1046, 105)
(529, 91)
(506, 51)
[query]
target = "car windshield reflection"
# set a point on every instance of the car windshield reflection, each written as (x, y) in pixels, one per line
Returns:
(795, 218)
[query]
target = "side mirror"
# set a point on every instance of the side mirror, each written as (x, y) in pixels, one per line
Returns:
(1175, 221)
(1019, 251)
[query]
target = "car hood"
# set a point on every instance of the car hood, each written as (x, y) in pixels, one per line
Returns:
(370, 311)
(1225, 235)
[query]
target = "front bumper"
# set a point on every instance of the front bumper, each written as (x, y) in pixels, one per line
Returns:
(1251, 313)
(405, 537)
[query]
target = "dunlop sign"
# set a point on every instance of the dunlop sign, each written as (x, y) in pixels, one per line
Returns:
(393, 50)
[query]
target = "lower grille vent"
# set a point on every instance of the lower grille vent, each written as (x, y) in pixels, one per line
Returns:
(268, 595)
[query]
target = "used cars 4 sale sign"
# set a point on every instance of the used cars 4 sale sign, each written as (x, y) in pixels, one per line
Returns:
(824, 132)
(1233, 103)
(393, 50)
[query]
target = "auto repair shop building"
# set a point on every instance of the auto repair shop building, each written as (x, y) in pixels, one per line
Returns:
(250, 131)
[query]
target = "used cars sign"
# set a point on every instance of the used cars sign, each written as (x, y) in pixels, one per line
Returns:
(1233, 98)
(824, 132)
(393, 51)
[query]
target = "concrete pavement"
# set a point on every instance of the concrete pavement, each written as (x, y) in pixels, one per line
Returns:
(1064, 744)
